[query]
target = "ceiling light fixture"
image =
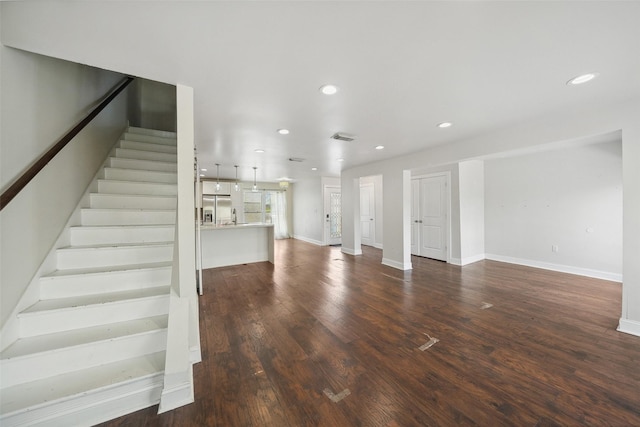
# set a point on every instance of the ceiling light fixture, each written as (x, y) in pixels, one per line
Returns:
(255, 184)
(314, 169)
(203, 169)
(582, 79)
(237, 186)
(341, 160)
(444, 125)
(259, 150)
(283, 131)
(379, 147)
(329, 89)
(201, 175)
(217, 176)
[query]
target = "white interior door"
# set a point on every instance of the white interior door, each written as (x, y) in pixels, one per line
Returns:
(332, 215)
(367, 215)
(433, 217)
(415, 217)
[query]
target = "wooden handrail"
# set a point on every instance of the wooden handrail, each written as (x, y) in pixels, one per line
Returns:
(30, 173)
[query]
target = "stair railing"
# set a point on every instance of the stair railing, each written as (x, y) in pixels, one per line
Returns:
(26, 177)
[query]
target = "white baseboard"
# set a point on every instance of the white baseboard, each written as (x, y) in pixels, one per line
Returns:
(455, 261)
(91, 408)
(179, 394)
(605, 275)
(472, 259)
(377, 245)
(308, 240)
(629, 327)
(395, 264)
(350, 251)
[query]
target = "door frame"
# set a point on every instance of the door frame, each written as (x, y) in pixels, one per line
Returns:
(447, 175)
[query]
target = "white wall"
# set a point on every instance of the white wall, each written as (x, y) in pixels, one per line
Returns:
(472, 208)
(307, 210)
(570, 198)
(152, 105)
(42, 98)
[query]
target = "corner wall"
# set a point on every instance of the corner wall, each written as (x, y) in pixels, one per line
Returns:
(43, 98)
(569, 200)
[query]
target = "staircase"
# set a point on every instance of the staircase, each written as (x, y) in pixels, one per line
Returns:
(93, 347)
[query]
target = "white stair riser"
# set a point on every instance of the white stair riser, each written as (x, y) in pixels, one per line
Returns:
(48, 364)
(46, 322)
(131, 187)
(127, 217)
(156, 139)
(97, 283)
(140, 175)
(148, 146)
(145, 155)
(85, 236)
(131, 201)
(90, 407)
(151, 165)
(112, 256)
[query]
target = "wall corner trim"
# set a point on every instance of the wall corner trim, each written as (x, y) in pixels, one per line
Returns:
(631, 327)
(308, 240)
(350, 251)
(396, 264)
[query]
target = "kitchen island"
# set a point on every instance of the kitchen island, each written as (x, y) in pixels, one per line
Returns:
(224, 245)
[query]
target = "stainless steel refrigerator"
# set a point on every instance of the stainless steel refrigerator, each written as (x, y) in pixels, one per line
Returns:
(216, 209)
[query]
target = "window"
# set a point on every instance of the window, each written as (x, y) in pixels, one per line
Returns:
(267, 207)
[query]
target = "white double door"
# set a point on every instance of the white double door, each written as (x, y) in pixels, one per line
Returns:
(429, 212)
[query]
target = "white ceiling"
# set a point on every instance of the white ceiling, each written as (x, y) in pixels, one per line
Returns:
(402, 68)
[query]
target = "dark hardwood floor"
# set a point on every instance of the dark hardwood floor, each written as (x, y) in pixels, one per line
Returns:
(279, 342)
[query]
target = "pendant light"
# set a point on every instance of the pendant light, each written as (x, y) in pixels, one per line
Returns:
(255, 184)
(237, 187)
(217, 176)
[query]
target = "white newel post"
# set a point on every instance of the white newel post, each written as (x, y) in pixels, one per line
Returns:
(183, 337)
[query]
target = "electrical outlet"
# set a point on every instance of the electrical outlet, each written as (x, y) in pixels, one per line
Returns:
(554, 248)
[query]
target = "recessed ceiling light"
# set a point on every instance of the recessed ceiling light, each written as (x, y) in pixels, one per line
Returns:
(379, 147)
(329, 89)
(341, 160)
(445, 125)
(582, 79)
(259, 150)
(283, 131)
(314, 169)
(203, 169)
(201, 174)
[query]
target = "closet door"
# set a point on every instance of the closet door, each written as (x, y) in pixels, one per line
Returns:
(415, 217)
(433, 217)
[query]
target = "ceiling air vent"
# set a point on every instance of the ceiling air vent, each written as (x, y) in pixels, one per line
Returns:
(341, 136)
(296, 159)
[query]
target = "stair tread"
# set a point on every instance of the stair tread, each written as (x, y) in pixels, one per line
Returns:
(115, 245)
(61, 387)
(150, 196)
(144, 151)
(128, 226)
(137, 182)
(141, 170)
(103, 270)
(128, 209)
(77, 337)
(141, 160)
(151, 144)
(77, 302)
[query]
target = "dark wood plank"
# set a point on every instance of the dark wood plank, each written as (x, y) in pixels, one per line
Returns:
(275, 337)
